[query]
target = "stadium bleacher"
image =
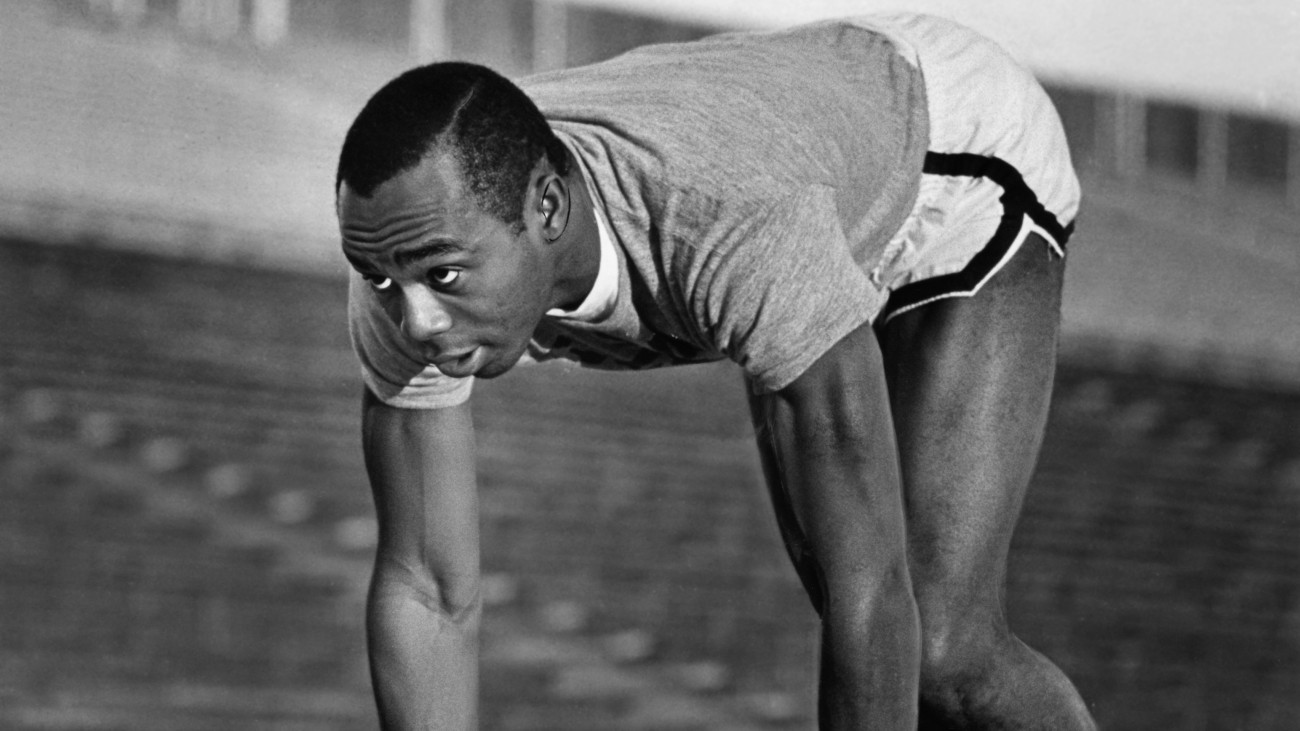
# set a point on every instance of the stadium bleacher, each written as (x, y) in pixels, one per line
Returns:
(186, 527)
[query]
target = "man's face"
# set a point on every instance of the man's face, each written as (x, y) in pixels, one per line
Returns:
(459, 282)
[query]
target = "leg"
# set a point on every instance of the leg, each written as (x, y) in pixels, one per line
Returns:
(970, 381)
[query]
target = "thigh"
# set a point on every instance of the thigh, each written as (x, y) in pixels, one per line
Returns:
(970, 381)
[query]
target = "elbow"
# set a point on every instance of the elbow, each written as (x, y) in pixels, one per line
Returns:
(452, 598)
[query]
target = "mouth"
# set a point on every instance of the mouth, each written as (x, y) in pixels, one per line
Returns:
(458, 365)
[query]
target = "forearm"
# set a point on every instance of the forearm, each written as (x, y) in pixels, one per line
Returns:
(424, 604)
(869, 667)
(423, 657)
(870, 644)
(870, 655)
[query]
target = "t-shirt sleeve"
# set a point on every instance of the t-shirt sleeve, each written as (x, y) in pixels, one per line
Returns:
(391, 366)
(784, 290)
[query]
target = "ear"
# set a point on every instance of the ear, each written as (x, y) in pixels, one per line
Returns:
(553, 206)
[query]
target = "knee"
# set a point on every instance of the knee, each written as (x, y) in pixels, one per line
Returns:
(985, 677)
(953, 680)
(958, 658)
(962, 625)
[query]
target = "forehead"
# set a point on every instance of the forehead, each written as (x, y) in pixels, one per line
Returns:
(429, 199)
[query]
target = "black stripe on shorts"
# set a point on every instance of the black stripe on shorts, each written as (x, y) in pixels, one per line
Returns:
(1017, 201)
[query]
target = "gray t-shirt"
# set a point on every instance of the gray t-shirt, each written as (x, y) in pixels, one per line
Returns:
(750, 182)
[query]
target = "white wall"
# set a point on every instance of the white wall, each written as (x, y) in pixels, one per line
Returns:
(1243, 54)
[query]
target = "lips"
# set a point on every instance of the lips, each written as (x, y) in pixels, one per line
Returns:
(457, 365)
(449, 358)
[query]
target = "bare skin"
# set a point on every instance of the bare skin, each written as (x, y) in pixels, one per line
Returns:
(968, 381)
(831, 460)
(468, 288)
(424, 608)
(897, 464)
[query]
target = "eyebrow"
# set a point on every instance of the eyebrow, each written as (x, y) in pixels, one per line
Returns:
(357, 262)
(403, 259)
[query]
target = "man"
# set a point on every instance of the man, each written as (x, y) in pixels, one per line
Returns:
(866, 215)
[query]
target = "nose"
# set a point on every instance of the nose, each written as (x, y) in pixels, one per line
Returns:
(423, 316)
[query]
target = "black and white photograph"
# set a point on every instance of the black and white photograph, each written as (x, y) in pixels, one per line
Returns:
(649, 365)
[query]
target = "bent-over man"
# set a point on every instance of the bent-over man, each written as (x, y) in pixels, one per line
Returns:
(867, 215)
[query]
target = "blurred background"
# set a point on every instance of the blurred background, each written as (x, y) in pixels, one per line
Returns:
(185, 524)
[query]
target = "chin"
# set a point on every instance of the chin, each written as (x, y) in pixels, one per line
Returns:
(492, 370)
(500, 366)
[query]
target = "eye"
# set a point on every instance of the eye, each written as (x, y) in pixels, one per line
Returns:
(443, 276)
(379, 283)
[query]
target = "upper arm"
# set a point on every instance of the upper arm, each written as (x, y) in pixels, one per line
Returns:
(828, 439)
(422, 473)
(841, 402)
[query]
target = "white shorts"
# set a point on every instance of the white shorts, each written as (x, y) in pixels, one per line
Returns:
(997, 169)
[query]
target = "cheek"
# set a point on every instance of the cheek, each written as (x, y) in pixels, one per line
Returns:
(520, 293)
(392, 307)
(528, 294)
(523, 311)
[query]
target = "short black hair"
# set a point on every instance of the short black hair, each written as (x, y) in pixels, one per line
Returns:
(491, 127)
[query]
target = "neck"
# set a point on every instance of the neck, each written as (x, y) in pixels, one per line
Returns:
(580, 261)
